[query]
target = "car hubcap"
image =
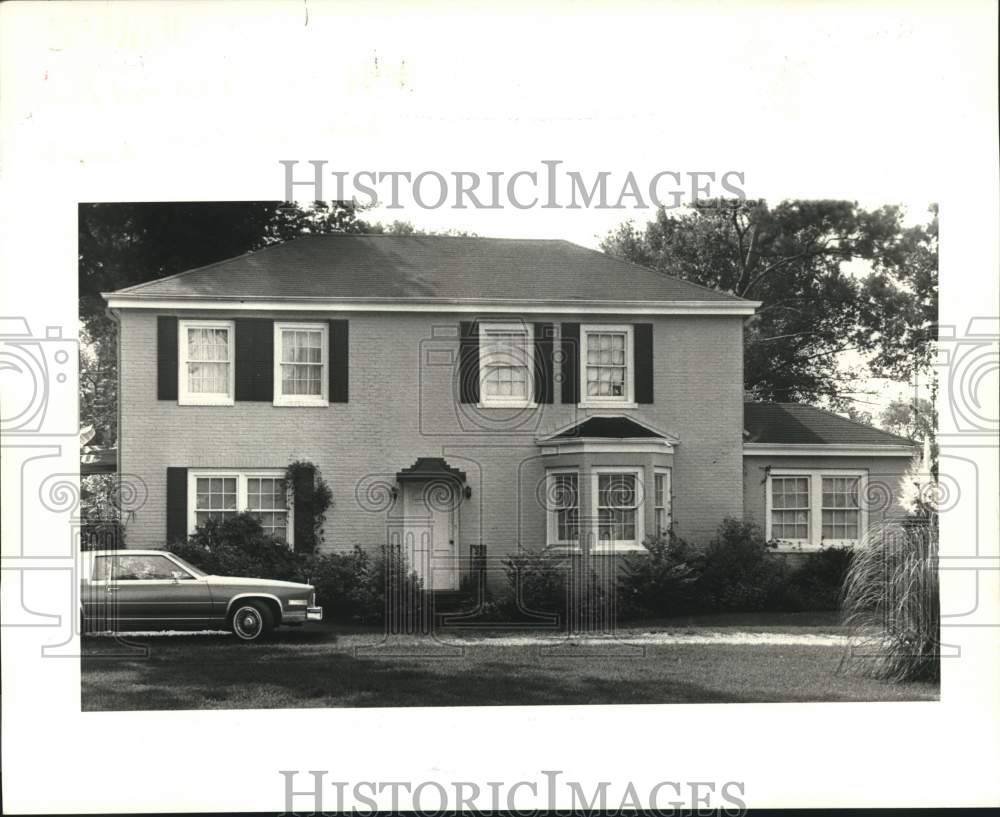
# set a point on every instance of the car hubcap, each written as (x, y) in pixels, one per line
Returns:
(248, 623)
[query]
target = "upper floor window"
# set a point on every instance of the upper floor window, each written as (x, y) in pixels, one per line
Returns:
(816, 508)
(506, 364)
(301, 369)
(607, 363)
(205, 350)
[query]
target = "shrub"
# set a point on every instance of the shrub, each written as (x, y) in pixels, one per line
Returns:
(737, 572)
(239, 547)
(891, 603)
(356, 586)
(662, 581)
(579, 590)
(818, 583)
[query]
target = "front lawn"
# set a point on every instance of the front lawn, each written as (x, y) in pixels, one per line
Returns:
(320, 667)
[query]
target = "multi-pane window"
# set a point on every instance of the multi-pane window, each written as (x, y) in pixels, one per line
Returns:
(790, 508)
(222, 495)
(606, 363)
(564, 507)
(206, 360)
(815, 508)
(841, 507)
(505, 364)
(661, 500)
(617, 502)
(215, 498)
(266, 498)
(300, 360)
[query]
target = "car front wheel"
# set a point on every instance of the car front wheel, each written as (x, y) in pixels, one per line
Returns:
(252, 621)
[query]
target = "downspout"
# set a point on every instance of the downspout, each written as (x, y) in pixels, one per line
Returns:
(115, 318)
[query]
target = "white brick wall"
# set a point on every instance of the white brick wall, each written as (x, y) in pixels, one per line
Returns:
(403, 406)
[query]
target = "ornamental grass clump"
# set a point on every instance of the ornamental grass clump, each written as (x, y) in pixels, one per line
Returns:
(891, 603)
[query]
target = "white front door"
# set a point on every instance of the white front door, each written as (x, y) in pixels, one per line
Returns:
(430, 535)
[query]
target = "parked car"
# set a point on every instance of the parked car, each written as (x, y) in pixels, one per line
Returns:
(157, 590)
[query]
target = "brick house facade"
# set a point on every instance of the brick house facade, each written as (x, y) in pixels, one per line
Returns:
(460, 392)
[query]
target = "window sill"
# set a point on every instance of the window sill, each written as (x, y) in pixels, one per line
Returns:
(619, 547)
(606, 404)
(216, 401)
(519, 404)
(809, 547)
(286, 403)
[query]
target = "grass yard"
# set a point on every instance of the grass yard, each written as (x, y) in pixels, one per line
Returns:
(322, 667)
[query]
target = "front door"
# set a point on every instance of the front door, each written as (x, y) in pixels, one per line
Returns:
(430, 532)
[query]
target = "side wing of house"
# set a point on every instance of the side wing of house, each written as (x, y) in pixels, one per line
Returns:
(813, 479)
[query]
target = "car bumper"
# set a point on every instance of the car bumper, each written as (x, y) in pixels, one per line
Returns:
(297, 616)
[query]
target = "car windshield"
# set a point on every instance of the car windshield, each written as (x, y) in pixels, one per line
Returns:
(187, 565)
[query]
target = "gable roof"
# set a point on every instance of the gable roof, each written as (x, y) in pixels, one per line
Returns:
(373, 268)
(615, 427)
(799, 424)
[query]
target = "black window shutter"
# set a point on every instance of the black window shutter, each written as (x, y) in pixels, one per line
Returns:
(177, 496)
(544, 347)
(468, 362)
(642, 333)
(254, 359)
(302, 498)
(339, 361)
(166, 358)
(570, 347)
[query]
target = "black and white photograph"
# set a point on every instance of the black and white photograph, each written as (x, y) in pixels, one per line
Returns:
(614, 389)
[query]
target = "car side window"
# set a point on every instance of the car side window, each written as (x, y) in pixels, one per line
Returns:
(102, 564)
(138, 568)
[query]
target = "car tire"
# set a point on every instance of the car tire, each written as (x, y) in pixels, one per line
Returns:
(251, 621)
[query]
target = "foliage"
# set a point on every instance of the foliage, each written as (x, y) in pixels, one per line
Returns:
(319, 503)
(238, 547)
(580, 591)
(663, 580)
(366, 588)
(818, 583)
(801, 259)
(356, 586)
(738, 572)
(891, 603)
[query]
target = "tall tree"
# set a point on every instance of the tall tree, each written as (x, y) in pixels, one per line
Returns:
(796, 258)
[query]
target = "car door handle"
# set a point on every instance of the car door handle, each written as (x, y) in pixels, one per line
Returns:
(112, 589)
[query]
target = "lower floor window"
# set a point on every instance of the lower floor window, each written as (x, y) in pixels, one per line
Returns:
(661, 501)
(815, 508)
(221, 495)
(617, 501)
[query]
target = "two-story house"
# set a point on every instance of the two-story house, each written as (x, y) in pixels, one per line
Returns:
(457, 393)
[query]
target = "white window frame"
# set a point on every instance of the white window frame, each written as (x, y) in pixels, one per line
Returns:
(626, 400)
(617, 546)
(321, 399)
(488, 401)
(815, 475)
(187, 398)
(552, 515)
(242, 502)
(659, 471)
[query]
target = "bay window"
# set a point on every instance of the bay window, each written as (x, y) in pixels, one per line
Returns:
(617, 505)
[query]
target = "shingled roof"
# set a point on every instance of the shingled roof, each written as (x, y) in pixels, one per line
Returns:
(799, 424)
(381, 267)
